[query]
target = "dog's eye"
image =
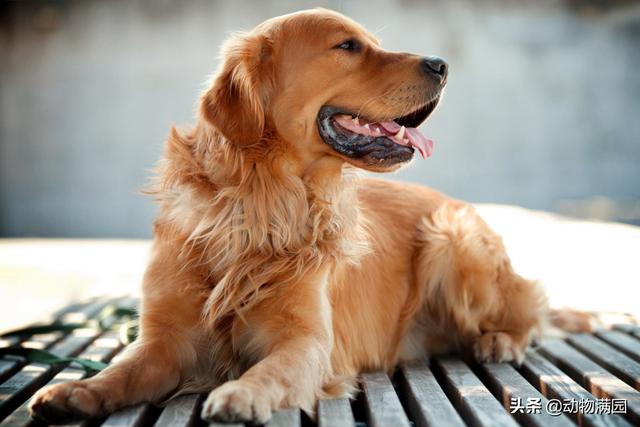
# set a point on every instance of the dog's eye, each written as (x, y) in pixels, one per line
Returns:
(350, 45)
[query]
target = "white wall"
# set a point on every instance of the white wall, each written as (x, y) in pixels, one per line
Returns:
(542, 104)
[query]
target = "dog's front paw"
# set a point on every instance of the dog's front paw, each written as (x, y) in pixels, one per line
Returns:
(497, 347)
(66, 402)
(235, 401)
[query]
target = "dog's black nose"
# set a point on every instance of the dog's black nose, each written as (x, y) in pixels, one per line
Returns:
(432, 65)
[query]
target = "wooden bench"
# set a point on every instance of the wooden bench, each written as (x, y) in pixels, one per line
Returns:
(599, 370)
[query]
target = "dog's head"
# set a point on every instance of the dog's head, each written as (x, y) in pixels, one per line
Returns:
(321, 84)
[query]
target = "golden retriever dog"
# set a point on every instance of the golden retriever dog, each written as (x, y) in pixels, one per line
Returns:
(277, 273)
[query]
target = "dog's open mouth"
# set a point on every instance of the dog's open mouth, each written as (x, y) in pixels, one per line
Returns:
(379, 142)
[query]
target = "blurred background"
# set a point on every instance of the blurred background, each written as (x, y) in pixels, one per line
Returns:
(542, 107)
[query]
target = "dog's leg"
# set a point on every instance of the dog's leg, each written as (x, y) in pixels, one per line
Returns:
(148, 370)
(470, 282)
(291, 335)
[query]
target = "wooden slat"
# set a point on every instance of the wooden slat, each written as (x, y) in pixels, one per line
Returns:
(42, 341)
(555, 384)
(21, 417)
(128, 303)
(382, 403)
(23, 384)
(614, 361)
(132, 416)
(105, 348)
(633, 330)
(285, 418)
(180, 411)
(335, 413)
(102, 349)
(12, 364)
(427, 402)
(73, 313)
(623, 342)
(508, 384)
(474, 401)
(217, 424)
(90, 311)
(9, 365)
(592, 376)
(80, 311)
(10, 341)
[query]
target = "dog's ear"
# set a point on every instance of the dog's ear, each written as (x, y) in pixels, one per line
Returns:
(235, 103)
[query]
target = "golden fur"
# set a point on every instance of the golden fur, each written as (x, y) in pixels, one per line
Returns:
(277, 273)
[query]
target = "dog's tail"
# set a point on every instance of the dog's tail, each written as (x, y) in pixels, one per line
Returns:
(567, 320)
(571, 321)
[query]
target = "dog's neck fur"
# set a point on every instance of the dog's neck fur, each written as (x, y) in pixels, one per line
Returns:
(254, 224)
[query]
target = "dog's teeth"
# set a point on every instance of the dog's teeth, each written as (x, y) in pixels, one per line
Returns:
(356, 121)
(377, 132)
(400, 134)
(406, 141)
(366, 126)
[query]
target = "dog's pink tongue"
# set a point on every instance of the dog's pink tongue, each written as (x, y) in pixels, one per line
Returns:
(391, 127)
(416, 139)
(421, 142)
(409, 137)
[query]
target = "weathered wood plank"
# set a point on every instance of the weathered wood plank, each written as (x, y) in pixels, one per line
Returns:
(10, 341)
(102, 349)
(9, 365)
(42, 341)
(77, 307)
(133, 416)
(381, 401)
(592, 376)
(216, 424)
(74, 313)
(31, 377)
(126, 303)
(427, 402)
(555, 384)
(19, 387)
(180, 411)
(614, 361)
(285, 418)
(335, 413)
(633, 330)
(85, 312)
(80, 310)
(473, 400)
(623, 342)
(508, 385)
(21, 417)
